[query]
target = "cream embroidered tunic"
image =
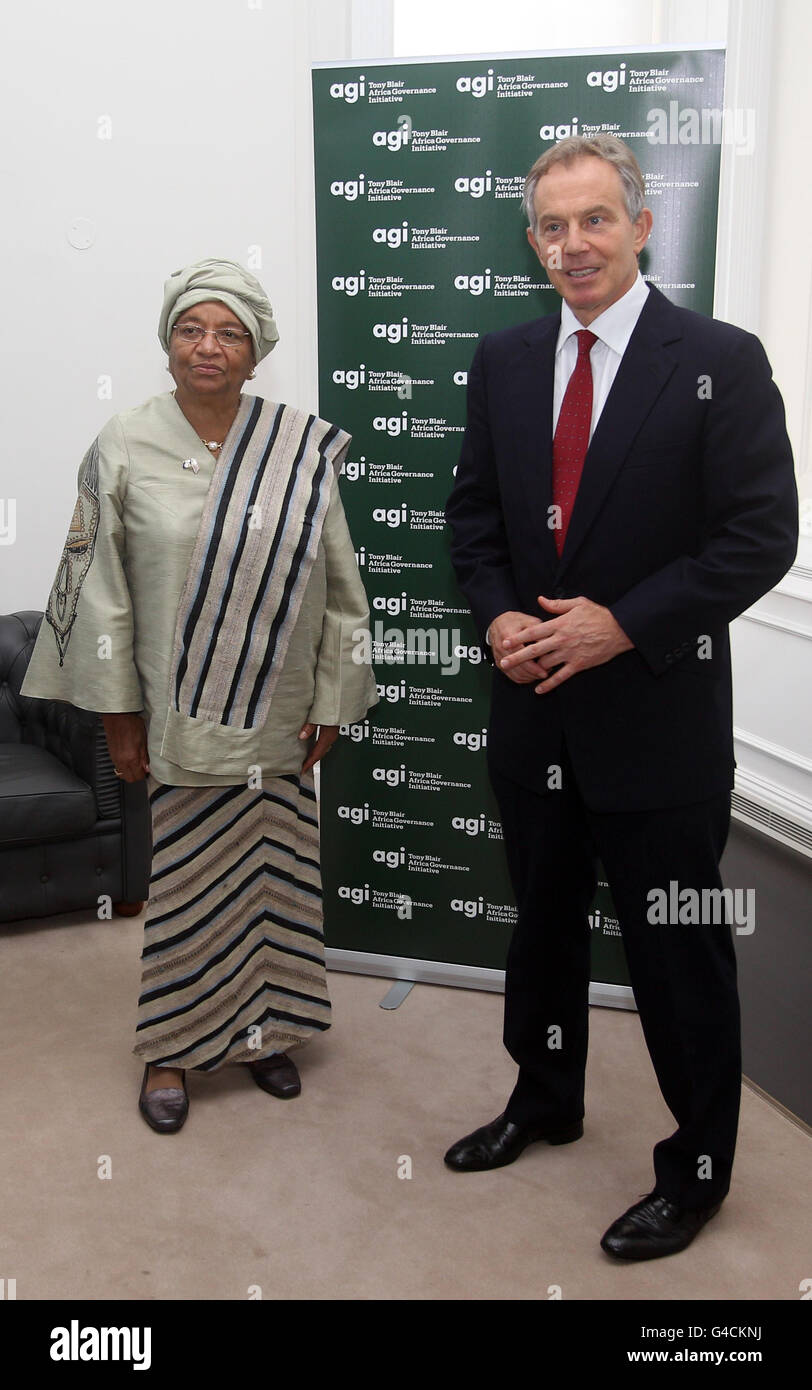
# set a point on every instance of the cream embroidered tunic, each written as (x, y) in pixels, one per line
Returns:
(118, 611)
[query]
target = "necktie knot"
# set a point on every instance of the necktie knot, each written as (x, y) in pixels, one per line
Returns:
(585, 341)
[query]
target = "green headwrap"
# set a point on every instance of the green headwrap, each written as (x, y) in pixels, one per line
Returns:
(229, 283)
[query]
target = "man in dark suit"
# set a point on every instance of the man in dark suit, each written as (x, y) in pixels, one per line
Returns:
(625, 489)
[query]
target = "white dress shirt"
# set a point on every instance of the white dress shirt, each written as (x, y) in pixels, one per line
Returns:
(613, 329)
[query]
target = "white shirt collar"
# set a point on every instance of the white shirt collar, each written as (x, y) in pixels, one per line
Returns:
(615, 325)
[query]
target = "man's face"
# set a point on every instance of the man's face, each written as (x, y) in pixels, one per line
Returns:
(584, 238)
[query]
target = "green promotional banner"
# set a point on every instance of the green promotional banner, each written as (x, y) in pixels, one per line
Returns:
(421, 249)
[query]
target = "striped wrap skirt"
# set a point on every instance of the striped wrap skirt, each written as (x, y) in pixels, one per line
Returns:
(233, 960)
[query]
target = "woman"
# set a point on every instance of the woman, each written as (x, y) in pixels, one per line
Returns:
(207, 606)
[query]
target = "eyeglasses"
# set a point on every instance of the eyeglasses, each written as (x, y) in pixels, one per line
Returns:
(195, 333)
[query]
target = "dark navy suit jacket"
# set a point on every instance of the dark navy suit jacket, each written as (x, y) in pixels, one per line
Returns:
(686, 514)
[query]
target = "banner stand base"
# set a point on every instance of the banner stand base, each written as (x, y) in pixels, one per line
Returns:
(436, 972)
(396, 995)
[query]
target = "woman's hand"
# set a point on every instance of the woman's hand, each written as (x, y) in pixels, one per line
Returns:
(328, 733)
(126, 736)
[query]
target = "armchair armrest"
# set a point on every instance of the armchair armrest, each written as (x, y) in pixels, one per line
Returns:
(76, 737)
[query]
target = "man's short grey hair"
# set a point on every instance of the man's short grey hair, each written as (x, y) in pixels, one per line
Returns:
(574, 147)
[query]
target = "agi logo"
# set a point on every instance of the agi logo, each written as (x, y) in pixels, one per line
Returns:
(391, 603)
(392, 332)
(474, 284)
(474, 655)
(471, 907)
(559, 132)
(478, 85)
(392, 858)
(392, 776)
(356, 815)
(392, 425)
(476, 185)
(351, 377)
(610, 81)
(393, 516)
(356, 732)
(393, 140)
(392, 693)
(354, 895)
(353, 469)
(349, 284)
(349, 91)
(473, 742)
(472, 825)
(392, 236)
(350, 189)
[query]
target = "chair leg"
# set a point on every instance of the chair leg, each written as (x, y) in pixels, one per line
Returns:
(127, 909)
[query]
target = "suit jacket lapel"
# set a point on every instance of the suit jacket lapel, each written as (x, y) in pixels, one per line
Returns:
(532, 390)
(644, 370)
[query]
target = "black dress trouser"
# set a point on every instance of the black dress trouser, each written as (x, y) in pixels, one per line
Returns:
(683, 976)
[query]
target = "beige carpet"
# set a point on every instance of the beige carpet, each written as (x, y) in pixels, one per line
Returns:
(302, 1198)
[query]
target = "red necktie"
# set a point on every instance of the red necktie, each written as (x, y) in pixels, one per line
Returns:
(571, 438)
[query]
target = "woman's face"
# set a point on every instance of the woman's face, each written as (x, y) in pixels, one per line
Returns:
(207, 368)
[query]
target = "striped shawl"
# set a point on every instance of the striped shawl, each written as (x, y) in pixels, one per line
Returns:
(255, 547)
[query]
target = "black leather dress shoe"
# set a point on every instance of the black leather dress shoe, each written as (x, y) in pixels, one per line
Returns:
(501, 1142)
(166, 1108)
(277, 1075)
(654, 1227)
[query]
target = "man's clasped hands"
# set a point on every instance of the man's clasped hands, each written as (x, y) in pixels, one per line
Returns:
(582, 634)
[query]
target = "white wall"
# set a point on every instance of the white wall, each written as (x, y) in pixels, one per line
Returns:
(769, 244)
(785, 256)
(189, 171)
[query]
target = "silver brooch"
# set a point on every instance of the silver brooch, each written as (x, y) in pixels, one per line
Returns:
(193, 464)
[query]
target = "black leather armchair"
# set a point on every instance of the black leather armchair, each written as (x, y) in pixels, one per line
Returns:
(71, 832)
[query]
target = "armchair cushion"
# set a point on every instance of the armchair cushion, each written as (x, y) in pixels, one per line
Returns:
(40, 798)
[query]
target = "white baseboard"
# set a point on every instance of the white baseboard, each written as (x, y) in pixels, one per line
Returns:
(763, 799)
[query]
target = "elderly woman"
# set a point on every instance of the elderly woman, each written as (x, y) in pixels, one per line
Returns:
(205, 606)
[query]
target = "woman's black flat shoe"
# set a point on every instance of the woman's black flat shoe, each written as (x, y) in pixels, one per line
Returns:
(166, 1108)
(277, 1075)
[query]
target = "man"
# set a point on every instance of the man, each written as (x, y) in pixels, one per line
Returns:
(625, 490)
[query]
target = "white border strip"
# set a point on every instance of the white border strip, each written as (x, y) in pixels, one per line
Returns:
(521, 53)
(435, 972)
